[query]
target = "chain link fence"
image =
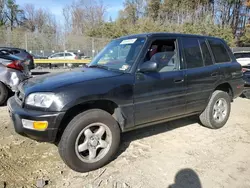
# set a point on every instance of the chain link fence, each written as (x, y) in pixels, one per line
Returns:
(45, 44)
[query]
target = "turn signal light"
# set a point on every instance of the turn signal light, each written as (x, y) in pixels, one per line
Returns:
(40, 125)
(35, 125)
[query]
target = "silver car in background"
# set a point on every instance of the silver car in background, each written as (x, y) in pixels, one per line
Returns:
(13, 70)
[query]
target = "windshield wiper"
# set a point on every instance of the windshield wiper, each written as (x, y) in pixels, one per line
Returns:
(99, 66)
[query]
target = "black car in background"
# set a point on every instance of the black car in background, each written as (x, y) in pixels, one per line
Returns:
(22, 53)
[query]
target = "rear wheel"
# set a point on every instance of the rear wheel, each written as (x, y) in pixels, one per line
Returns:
(3, 93)
(217, 111)
(89, 141)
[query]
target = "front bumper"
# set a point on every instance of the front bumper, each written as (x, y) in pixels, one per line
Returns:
(17, 113)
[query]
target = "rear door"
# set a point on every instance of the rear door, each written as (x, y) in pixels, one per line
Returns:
(202, 74)
(230, 69)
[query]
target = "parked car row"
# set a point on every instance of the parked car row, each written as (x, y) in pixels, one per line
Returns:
(135, 81)
(63, 55)
(68, 55)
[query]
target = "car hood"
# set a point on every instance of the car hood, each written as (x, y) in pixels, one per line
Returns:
(243, 61)
(50, 82)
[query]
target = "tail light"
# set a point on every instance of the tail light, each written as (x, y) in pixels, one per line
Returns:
(15, 65)
(76, 57)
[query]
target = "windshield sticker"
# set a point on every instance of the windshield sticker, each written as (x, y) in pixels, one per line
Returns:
(128, 41)
(124, 67)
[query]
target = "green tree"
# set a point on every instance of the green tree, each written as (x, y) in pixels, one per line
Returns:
(153, 8)
(14, 14)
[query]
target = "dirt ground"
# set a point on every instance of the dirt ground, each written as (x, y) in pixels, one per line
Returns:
(176, 154)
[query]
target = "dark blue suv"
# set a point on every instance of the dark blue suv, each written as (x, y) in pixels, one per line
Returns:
(135, 81)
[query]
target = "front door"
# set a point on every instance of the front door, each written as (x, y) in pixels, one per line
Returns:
(160, 95)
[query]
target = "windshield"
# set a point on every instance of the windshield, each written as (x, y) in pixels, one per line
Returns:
(242, 55)
(119, 54)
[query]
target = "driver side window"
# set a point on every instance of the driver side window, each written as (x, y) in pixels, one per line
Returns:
(165, 54)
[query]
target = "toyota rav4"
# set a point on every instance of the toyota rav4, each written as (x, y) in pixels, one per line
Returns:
(135, 81)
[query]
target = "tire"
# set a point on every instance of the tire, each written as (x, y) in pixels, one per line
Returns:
(69, 143)
(207, 116)
(3, 94)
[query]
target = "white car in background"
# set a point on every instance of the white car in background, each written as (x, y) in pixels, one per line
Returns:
(63, 55)
(243, 57)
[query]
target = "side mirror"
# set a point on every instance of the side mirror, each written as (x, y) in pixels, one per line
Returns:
(148, 66)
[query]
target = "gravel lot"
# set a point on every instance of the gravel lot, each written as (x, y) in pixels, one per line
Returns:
(176, 154)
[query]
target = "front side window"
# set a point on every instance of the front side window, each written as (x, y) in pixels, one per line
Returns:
(164, 53)
(192, 52)
(219, 51)
(119, 54)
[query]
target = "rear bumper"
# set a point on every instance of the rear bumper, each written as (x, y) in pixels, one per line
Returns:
(238, 87)
(17, 113)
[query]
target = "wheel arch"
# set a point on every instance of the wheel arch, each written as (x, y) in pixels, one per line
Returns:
(226, 87)
(103, 104)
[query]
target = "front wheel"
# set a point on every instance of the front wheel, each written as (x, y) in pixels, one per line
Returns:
(217, 111)
(90, 140)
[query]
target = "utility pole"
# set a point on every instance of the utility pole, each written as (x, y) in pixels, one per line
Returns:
(26, 42)
(93, 47)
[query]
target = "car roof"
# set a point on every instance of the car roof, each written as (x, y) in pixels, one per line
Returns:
(12, 48)
(160, 34)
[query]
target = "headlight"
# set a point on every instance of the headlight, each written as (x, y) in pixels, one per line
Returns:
(43, 100)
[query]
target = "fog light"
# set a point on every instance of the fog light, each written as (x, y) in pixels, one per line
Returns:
(35, 125)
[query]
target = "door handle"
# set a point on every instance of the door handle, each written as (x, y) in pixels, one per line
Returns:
(214, 74)
(178, 81)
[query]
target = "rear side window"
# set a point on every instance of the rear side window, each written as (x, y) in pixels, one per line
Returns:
(205, 52)
(220, 52)
(15, 51)
(68, 54)
(192, 52)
